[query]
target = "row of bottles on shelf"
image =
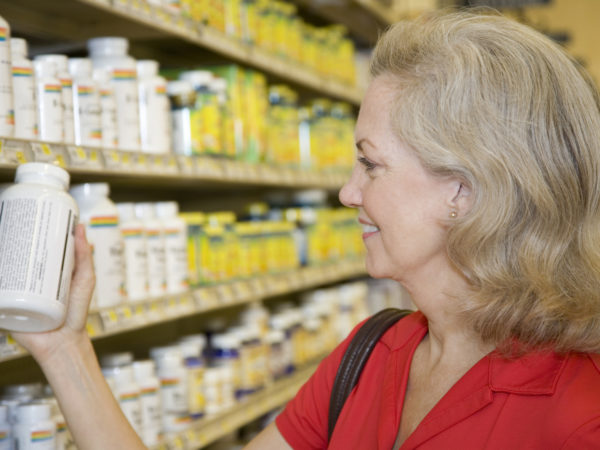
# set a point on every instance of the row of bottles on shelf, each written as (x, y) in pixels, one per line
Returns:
(202, 374)
(111, 100)
(146, 250)
(276, 27)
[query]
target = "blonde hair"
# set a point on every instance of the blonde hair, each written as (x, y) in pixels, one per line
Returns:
(503, 108)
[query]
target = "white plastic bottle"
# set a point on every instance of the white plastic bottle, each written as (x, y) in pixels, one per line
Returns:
(7, 118)
(191, 349)
(35, 429)
(49, 102)
(136, 254)
(37, 247)
(86, 103)
(66, 84)
(145, 376)
(110, 53)
(101, 218)
(23, 85)
(5, 429)
(118, 366)
(155, 245)
(108, 109)
(175, 238)
(173, 387)
(155, 126)
(182, 97)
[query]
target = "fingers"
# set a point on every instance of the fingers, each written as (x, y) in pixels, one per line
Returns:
(83, 281)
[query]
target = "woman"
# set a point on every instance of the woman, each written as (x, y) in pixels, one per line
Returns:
(477, 186)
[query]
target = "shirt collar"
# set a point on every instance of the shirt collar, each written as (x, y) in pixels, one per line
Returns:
(535, 373)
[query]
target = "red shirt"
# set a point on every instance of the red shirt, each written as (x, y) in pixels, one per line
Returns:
(540, 401)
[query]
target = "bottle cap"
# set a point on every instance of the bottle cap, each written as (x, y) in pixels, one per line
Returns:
(145, 211)
(80, 67)
(190, 349)
(126, 211)
(219, 84)
(18, 47)
(42, 173)
(198, 78)
(198, 339)
(165, 210)
(108, 46)
(25, 392)
(101, 76)
(44, 69)
(147, 68)
(3, 414)
(33, 412)
(144, 369)
(179, 87)
(81, 191)
(116, 359)
(60, 62)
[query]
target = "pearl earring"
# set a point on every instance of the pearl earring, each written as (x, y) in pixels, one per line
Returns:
(453, 214)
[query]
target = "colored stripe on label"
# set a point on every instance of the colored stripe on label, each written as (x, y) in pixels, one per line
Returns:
(153, 233)
(85, 90)
(105, 93)
(66, 83)
(3, 436)
(160, 90)
(3, 34)
(128, 397)
(22, 72)
(53, 88)
(171, 232)
(96, 134)
(38, 436)
(148, 391)
(167, 382)
(104, 221)
(123, 75)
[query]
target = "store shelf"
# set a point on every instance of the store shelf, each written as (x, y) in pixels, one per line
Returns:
(160, 169)
(208, 430)
(77, 20)
(132, 316)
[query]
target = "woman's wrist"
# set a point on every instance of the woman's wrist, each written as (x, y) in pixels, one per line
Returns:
(75, 343)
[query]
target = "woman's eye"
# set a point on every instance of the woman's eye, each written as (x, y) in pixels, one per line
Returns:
(368, 164)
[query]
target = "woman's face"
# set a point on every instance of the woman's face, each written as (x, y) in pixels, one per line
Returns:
(402, 207)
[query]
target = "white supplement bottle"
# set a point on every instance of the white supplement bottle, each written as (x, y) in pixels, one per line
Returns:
(49, 102)
(110, 53)
(118, 367)
(101, 218)
(182, 97)
(175, 238)
(145, 377)
(136, 253)
(155, 126)
(66, 84)
(191, 350)
(108, 109)
(37, 248)
(173, 386)
(23, 84)
(5, 429)
(35, 429)
(86, 103)
(7, 118)
(155, 245)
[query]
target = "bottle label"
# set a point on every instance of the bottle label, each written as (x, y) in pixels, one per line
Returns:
(88, 119)
(105, 237)
(150, 400)
(109, 118)
(67, 105)
(176, 260)
(6, 100)
(50, 112)
(136, 262)
(155, 130)
(25, 106)
(124, 83)
(131, 407)
(157, 283)
(173, 394)
(37, 242)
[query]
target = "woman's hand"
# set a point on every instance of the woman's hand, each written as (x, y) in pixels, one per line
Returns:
(42, 345)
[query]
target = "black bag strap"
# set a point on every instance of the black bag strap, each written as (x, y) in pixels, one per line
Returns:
(355, 358)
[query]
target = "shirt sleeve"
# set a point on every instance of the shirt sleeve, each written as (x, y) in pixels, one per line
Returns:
(303, 422)
(586, 436)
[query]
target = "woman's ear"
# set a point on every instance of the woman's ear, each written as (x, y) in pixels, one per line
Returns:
(461, 199)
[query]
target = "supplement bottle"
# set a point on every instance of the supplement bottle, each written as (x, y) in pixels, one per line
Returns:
(110, 53)
(155, 126)
(7, 118)
(118, 367)
(225, 352)
(63, 436)
(145, 377)
(101, 218)
(108, 108)
(155, 246)
(66, 83)
(182, 97)
(5, 429)
(86, 103)
(203, 124)
(37, 243)
(35, 429)
(23, 84)
(175, 240)
(49, 102)
(135, 252)
(191, 350)
(173, 387)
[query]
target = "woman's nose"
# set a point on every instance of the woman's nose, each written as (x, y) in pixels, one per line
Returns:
(350, 194)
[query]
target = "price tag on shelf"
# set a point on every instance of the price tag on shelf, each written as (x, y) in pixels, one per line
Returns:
(172, 306)
(155, 310)
(127, 160)
(15, 152)
(42, 152)
(113, 159)
(186, 164)
(178, 443)
(206, 298)
(171, 166)
(186, 304)
(110, 319)
(91, 329)
(226, 294)
(242, 290)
